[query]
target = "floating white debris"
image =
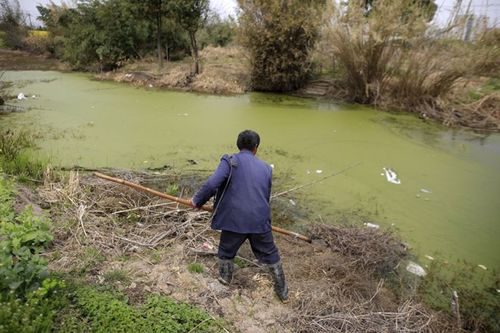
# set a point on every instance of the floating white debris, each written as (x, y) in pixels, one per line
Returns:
(21, 96)
(34, 96)
(371, 225)
(293, 203)
(145, 162)
(482, 266)
(308, 172)
(183, 114)
(319, 171)
(423, 190)
(272, 165)
(415, 269)
(391, 176)
(429, 257)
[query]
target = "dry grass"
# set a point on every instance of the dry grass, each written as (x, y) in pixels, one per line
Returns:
(335, 283)
(223, 71)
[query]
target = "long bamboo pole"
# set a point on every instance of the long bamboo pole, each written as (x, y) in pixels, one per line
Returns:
(187, 202)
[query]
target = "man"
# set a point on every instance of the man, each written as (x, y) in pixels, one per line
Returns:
(242, 188)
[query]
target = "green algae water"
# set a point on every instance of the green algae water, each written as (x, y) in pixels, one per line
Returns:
(447, 204)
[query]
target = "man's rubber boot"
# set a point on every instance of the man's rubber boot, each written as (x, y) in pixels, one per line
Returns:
(226, 268)
(280, 285)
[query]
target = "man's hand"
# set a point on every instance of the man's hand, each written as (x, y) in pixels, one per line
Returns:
(191, 202)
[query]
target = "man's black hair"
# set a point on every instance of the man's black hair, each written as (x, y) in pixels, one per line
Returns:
(248, 139)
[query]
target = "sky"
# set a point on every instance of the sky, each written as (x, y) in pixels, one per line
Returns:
(491, 8)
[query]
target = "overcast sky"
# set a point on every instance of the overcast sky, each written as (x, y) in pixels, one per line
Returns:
(490, 8)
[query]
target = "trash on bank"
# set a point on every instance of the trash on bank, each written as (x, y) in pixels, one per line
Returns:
(391, 176)
(429, 257)
(293, 203)
(415, 269)
(482, 266)
(21, 96)
(371, 225)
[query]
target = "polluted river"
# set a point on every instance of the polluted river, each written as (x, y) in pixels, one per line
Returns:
(439, 188)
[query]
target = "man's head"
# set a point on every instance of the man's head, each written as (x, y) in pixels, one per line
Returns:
(248, 140)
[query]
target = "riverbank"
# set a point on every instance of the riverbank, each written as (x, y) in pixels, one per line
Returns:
(224, 71)
(109, 237)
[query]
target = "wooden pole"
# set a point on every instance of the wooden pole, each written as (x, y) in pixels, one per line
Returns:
(187, 202)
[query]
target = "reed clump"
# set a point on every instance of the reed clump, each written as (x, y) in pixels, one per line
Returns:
(389, 57)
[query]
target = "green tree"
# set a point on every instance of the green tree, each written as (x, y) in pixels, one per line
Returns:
(156, 10)
(104, 33)
(192, 15)
(279, 35)
(218, 31)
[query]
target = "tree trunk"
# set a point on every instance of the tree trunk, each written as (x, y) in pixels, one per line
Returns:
(158, 35)
(194, 51)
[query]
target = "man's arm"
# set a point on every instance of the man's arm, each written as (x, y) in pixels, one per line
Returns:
(210, 187)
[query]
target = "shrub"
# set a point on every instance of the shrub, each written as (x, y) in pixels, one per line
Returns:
(279, 36)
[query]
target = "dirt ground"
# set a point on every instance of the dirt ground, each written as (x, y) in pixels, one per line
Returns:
(224, 71)
(108, 234)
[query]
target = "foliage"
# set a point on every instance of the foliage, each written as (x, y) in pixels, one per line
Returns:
(103, 32)
(22, 241)
(173, 189)
(191, 15)
(11, 143)
(195, 267)
(12, 23)
(13, 156)
(107, 312)
(28, 301)
(477, 294)
(6, 200)
(279, 36)
(37, 313)
(217, 31)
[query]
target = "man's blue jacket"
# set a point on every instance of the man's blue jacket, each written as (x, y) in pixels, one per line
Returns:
(242, 185)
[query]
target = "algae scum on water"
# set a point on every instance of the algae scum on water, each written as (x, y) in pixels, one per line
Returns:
(445, 189)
